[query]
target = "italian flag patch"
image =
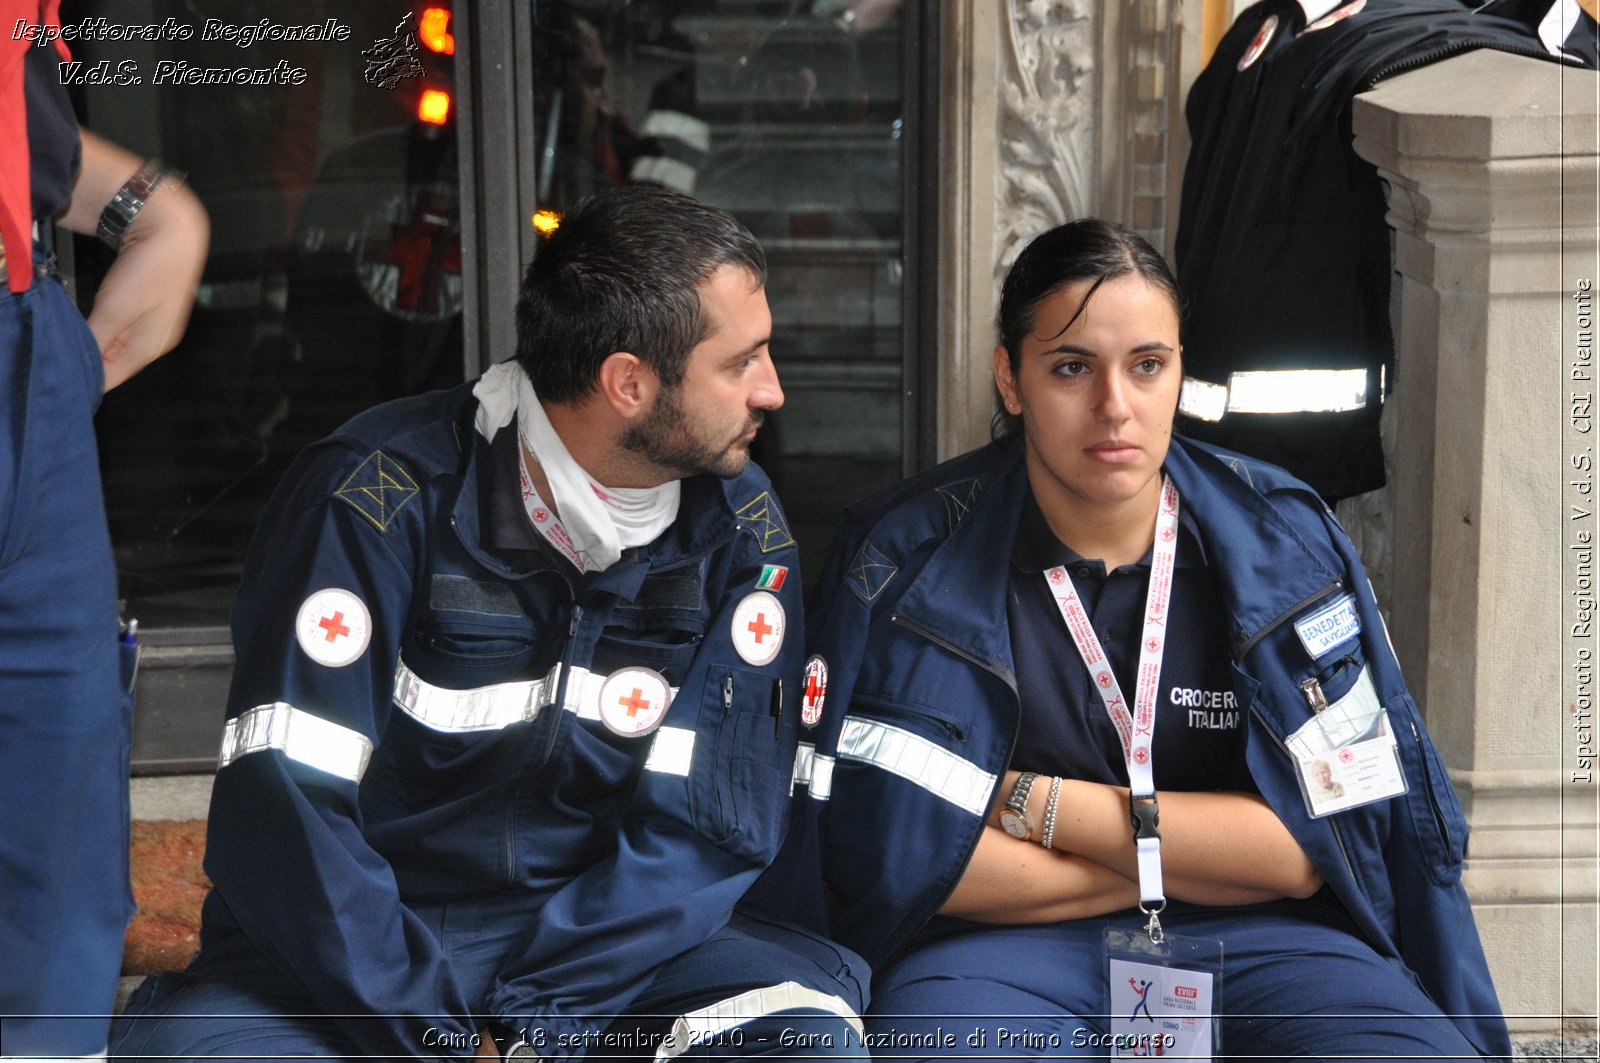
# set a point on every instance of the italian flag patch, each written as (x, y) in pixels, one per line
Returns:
(772, 577)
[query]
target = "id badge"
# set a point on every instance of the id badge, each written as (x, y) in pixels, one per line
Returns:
(1351, 775)
(1164, 998)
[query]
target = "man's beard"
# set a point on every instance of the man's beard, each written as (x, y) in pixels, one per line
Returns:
(667, 440)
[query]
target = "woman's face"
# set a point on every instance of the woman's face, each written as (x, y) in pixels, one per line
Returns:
(1098, 400)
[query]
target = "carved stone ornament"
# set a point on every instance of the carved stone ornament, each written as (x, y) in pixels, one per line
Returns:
(1048, 106)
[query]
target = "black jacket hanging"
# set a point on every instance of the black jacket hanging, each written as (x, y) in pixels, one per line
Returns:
(1282, 249)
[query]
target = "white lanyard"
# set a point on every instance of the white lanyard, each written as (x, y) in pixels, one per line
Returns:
(542, 516)
(1136, 729)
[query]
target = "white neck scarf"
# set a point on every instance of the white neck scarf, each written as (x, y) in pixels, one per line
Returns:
(602, 521)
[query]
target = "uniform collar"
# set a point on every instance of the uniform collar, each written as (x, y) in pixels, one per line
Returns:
(1037, 548)
(1265, 569)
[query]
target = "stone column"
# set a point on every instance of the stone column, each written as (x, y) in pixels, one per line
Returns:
(1492, 172)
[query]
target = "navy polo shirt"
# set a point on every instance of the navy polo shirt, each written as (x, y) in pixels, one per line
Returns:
(1065, 730)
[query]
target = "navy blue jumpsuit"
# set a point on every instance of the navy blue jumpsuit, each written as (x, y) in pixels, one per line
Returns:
(429, 815)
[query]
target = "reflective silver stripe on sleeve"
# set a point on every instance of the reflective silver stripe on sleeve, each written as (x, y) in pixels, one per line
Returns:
(1275, 391)
(913, 757)
(494, 707)
(812, 770)
(671, 751)
(300, 736)
(697, 1027)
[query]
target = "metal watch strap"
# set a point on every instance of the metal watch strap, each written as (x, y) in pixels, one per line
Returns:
(130, 199)
(1018, 824)
(1048, 834)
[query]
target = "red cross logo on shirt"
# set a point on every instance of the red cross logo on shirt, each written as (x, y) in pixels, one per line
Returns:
(634, 702)
(334, 625)
(759, 627)
(813, 689)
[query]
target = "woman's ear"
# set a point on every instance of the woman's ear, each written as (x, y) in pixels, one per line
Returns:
(1004, 380)
(628, 386)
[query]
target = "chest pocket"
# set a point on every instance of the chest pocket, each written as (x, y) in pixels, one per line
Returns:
(476, 633)
(660, 629)
(740, 795)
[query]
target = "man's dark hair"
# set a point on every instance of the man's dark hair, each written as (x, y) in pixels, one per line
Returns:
(1084, 250)
(620, 273)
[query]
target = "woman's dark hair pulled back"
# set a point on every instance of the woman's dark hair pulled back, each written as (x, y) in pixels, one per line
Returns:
(1084, 250)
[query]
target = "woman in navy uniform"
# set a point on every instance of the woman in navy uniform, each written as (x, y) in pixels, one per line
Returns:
(991, 658)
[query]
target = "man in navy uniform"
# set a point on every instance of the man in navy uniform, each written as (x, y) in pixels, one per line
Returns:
(514, 714)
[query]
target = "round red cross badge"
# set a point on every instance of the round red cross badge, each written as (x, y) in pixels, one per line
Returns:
(816, 687)
(1057, 575)
(1259, 45)
(541, 515)
(333, 627)
(633, 701)
(1141, 755)
(1153, 645)
(1104, 679)
(1345, 756)
(1166, 535)
(758, 626)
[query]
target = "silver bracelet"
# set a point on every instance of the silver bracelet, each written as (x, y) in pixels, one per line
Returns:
(1049, 832)
(130, 199)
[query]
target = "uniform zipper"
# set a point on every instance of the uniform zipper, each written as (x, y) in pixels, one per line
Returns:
(1427, 775)
(550, 739)
(1332, 823)
(1242, 651)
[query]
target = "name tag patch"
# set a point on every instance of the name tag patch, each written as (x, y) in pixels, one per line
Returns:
(1329, 626)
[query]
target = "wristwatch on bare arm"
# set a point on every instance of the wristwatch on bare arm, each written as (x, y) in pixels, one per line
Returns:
(1014, 819)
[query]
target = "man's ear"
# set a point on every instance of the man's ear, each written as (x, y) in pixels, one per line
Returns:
(628, 386)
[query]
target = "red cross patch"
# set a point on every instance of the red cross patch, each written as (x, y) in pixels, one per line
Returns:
(633, 701)
(816, 689)
(758, 627)
(333, 627)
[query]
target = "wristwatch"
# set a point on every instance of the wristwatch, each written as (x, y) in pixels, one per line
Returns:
(125, 206)
(1014, 817)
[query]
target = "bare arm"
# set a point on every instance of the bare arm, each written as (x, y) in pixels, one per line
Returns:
(143, 303)
(1012, 881)
(1219, 848)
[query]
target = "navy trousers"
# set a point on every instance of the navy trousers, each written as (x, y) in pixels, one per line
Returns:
(64, 713)
(231, 1005)
(1298, 983)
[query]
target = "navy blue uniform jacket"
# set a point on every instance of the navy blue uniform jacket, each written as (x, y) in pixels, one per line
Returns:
(336, 805)
(920, 713)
